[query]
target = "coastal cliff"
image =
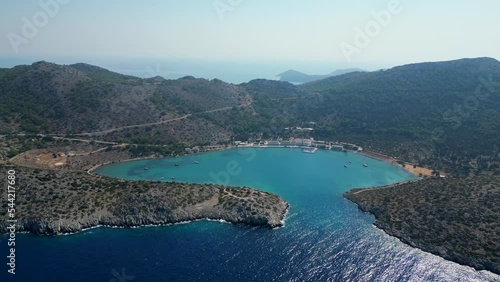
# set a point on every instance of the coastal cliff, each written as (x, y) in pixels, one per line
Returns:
(55, 202)
(457, 219)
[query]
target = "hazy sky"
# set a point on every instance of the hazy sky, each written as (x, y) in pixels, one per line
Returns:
(250, 30)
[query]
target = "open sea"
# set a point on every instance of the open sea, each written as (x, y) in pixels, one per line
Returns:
(325, 238)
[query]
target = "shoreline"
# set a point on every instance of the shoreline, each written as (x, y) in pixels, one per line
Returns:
(107, 201)
(91, 172)
(393, 161)
(90, 168)
(409, 244)
(123, 226)
(133, 227)
(355, 191)
(368, 154)
(96, 166)
(420, 228)
(184, 221)
(395, 234)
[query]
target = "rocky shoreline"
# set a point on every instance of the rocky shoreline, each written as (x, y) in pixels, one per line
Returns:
(65, 227)
(56, 203)
(446, 219)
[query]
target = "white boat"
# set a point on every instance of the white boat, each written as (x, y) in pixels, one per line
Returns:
(309, 151)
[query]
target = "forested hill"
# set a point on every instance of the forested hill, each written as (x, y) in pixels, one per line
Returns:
(450, 110)
(445, 115)
(65, 99)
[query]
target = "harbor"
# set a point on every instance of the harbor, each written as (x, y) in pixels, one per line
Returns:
(309, 145)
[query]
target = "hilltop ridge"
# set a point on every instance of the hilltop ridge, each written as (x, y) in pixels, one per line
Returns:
(426, 113)
(297, 77)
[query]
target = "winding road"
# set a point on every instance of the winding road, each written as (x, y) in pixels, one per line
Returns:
(157, 122)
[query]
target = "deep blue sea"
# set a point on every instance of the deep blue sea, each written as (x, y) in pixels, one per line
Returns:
(325, 238)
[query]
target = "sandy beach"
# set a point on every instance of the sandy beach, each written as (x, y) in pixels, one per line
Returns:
(416, 170)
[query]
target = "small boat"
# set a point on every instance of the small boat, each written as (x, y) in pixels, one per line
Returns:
(345, 165)
(350, 162)
(177, 164)
(365, 165)
(173, 178)
(146, 168)
(309, 150)
(196, 162)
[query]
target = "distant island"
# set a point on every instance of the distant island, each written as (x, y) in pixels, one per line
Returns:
(297, 77)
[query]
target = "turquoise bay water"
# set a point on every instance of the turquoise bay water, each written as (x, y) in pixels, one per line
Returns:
(325, 238)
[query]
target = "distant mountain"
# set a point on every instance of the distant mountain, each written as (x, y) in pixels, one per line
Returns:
(297, 77)
(445, 115)
(273, 89)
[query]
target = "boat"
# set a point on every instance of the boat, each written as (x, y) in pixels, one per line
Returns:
(146, 168)
(345, 165)
(350, 162)
(173, 178)
(176, 164)
(309, 151)
(196, 162)
(365, 165)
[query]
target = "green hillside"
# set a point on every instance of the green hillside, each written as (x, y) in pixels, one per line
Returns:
(445, 112)
(443, 115)
(46, 98)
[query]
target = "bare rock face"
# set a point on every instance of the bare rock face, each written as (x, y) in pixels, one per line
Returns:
(49, 203)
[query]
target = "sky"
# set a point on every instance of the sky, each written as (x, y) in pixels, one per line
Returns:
(182, 36)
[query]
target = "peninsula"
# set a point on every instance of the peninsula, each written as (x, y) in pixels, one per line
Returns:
(59, 202)
(454, 218)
